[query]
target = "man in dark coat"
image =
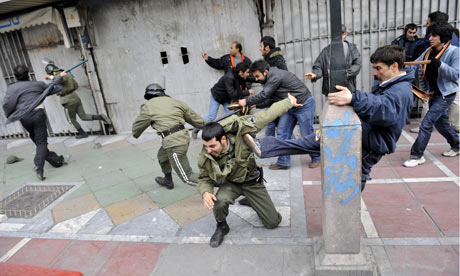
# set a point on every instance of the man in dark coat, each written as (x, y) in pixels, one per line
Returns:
(408, 41)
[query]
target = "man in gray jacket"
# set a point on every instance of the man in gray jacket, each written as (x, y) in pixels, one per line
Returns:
(277, 85)
(352, 62)
(24, 102)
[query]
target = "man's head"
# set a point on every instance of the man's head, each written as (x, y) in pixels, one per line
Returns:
(52, 69)
(21, 72)
(235, 48)
(436, 17)
(344, 31)
(153, 90)
(242, 69)
(214, 139)
(267, 43)
(259, 69)
(387, 62)
(440, 33)
(410, 31)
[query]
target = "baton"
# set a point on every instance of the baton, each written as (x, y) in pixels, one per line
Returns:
(75, 66)
(421, 62)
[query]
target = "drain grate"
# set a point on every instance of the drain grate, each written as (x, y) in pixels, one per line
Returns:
(31, 199)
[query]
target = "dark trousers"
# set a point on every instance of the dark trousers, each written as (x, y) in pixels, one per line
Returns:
(35, 124)
(310, 144)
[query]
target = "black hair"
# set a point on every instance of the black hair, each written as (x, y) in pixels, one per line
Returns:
(389, 54)
(211, 130)
(438, 16)
(444, 30)
(259, 65)
(21, 72)
(238, 46)
(241, 67)
(409, 26)
(268, 41)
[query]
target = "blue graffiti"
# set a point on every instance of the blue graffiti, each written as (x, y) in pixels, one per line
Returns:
(11, 21)
(340, 160)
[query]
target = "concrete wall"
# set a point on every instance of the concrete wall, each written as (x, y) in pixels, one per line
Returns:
(131, 34)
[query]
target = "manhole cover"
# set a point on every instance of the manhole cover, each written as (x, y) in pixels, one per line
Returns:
(31, 199)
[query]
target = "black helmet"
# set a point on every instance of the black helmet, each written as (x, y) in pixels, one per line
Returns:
(50, 68)
(153, 90)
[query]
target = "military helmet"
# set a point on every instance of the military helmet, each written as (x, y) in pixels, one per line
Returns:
(50, 68)
(153, 90)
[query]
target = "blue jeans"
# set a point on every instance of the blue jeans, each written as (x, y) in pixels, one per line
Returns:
(437, 116)
(270, 129)
(304, 117)
(213, 108)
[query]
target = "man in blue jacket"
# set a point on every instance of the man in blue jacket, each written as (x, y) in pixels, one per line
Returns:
(383, 114)
(441, 77)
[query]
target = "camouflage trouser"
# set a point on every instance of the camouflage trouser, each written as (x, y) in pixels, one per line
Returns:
(72, 109)
(176, 157)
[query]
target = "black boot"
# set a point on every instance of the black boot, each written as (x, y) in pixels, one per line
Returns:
(195, 132)
(217, 238)
(245, 201)
(165, 181)
(104, 118)
(39, 173)
(81, 134)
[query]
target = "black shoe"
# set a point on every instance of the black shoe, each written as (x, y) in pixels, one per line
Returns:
(217, 238)
(39, 174)
(253, 144)
(165, 181)
(245, 201)
(81, 134)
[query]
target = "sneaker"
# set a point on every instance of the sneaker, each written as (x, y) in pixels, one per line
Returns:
(253, 144)
(414, 162)
(415, 129)
(451, 153)
(278, 167)
(313, 165)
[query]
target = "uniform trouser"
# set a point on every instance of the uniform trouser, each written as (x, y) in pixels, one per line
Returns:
(271, 147)
(176, 157)
(74, 108)
(257, 195)
(454, 114)
(35, 124)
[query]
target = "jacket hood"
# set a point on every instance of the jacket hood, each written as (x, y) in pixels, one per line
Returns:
(275, 52)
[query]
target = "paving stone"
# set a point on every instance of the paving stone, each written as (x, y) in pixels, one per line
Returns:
(7, 243)
(41, 224)
(116, 193)
(138, 171)
(164, 197)
(100, 224)
(428, 169)
(73, 142)
(39, 252)
(19, 143)
(7, 226)
(88, 146)
(390, 194)
(144, 138)
(99, 169)
(435, 193)
(314, 221)
(101, 182)
(194, 207)
(313, 195)
(57, 140)
(73, 225)
(81, 191)
(130, 208)
(156, 224)
(110, 139)
(249, 215)
(147, 182)
(114, 146)
(69, 208)
(280, 198)
(446, 218)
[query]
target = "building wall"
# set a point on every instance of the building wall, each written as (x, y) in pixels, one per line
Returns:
(131, 34)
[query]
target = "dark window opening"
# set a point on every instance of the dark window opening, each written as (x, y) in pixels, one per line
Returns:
(184, 54)
(164, 57)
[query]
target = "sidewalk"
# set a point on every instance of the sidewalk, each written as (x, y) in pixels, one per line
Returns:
(115, 220)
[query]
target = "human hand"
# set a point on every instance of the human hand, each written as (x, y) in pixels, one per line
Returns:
(63, 74)
(435, 62)
(205, 56)
(310, 76)
(242, 102)
(340, 98)
(48, 77)
(293, 100)
(208, 200)
(252, 92)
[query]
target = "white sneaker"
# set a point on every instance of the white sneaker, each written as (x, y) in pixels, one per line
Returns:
(451, 153)
(414, 162)
(415, 129)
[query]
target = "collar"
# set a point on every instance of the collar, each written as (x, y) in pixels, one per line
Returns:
(387, 81)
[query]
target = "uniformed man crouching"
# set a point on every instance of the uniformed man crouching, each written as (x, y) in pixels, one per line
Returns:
(168, 116)
(226, 161)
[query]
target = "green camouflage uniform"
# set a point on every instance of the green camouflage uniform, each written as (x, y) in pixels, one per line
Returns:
(235, 171)
(164, 113)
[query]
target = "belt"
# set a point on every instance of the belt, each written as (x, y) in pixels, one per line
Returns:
(171, 131)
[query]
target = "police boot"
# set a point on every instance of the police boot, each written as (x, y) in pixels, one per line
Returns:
(81, 134)
(217, 238)
(165, 181)
(104, 118)
(195, 132)
(39, 173)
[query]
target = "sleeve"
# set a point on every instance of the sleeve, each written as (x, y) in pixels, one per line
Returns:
(269, 88)
(280, 63)
(9, 103)
(450, 71)
(231, 91)
(216, 63)
(382, 110)
(142, 122)
(55, 85)
(277, 109)
(355, 67)
(319, 64)
(205, 183)
(193, 118)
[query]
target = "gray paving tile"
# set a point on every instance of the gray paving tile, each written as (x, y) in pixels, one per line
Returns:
(40, 224)
(156, 223)
(99, 224)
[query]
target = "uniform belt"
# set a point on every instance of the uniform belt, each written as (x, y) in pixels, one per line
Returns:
(171, 131)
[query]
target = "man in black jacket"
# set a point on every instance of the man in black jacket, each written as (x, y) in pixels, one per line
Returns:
(229, 61)
(273, 55)
(24, 102)
(408, 41)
